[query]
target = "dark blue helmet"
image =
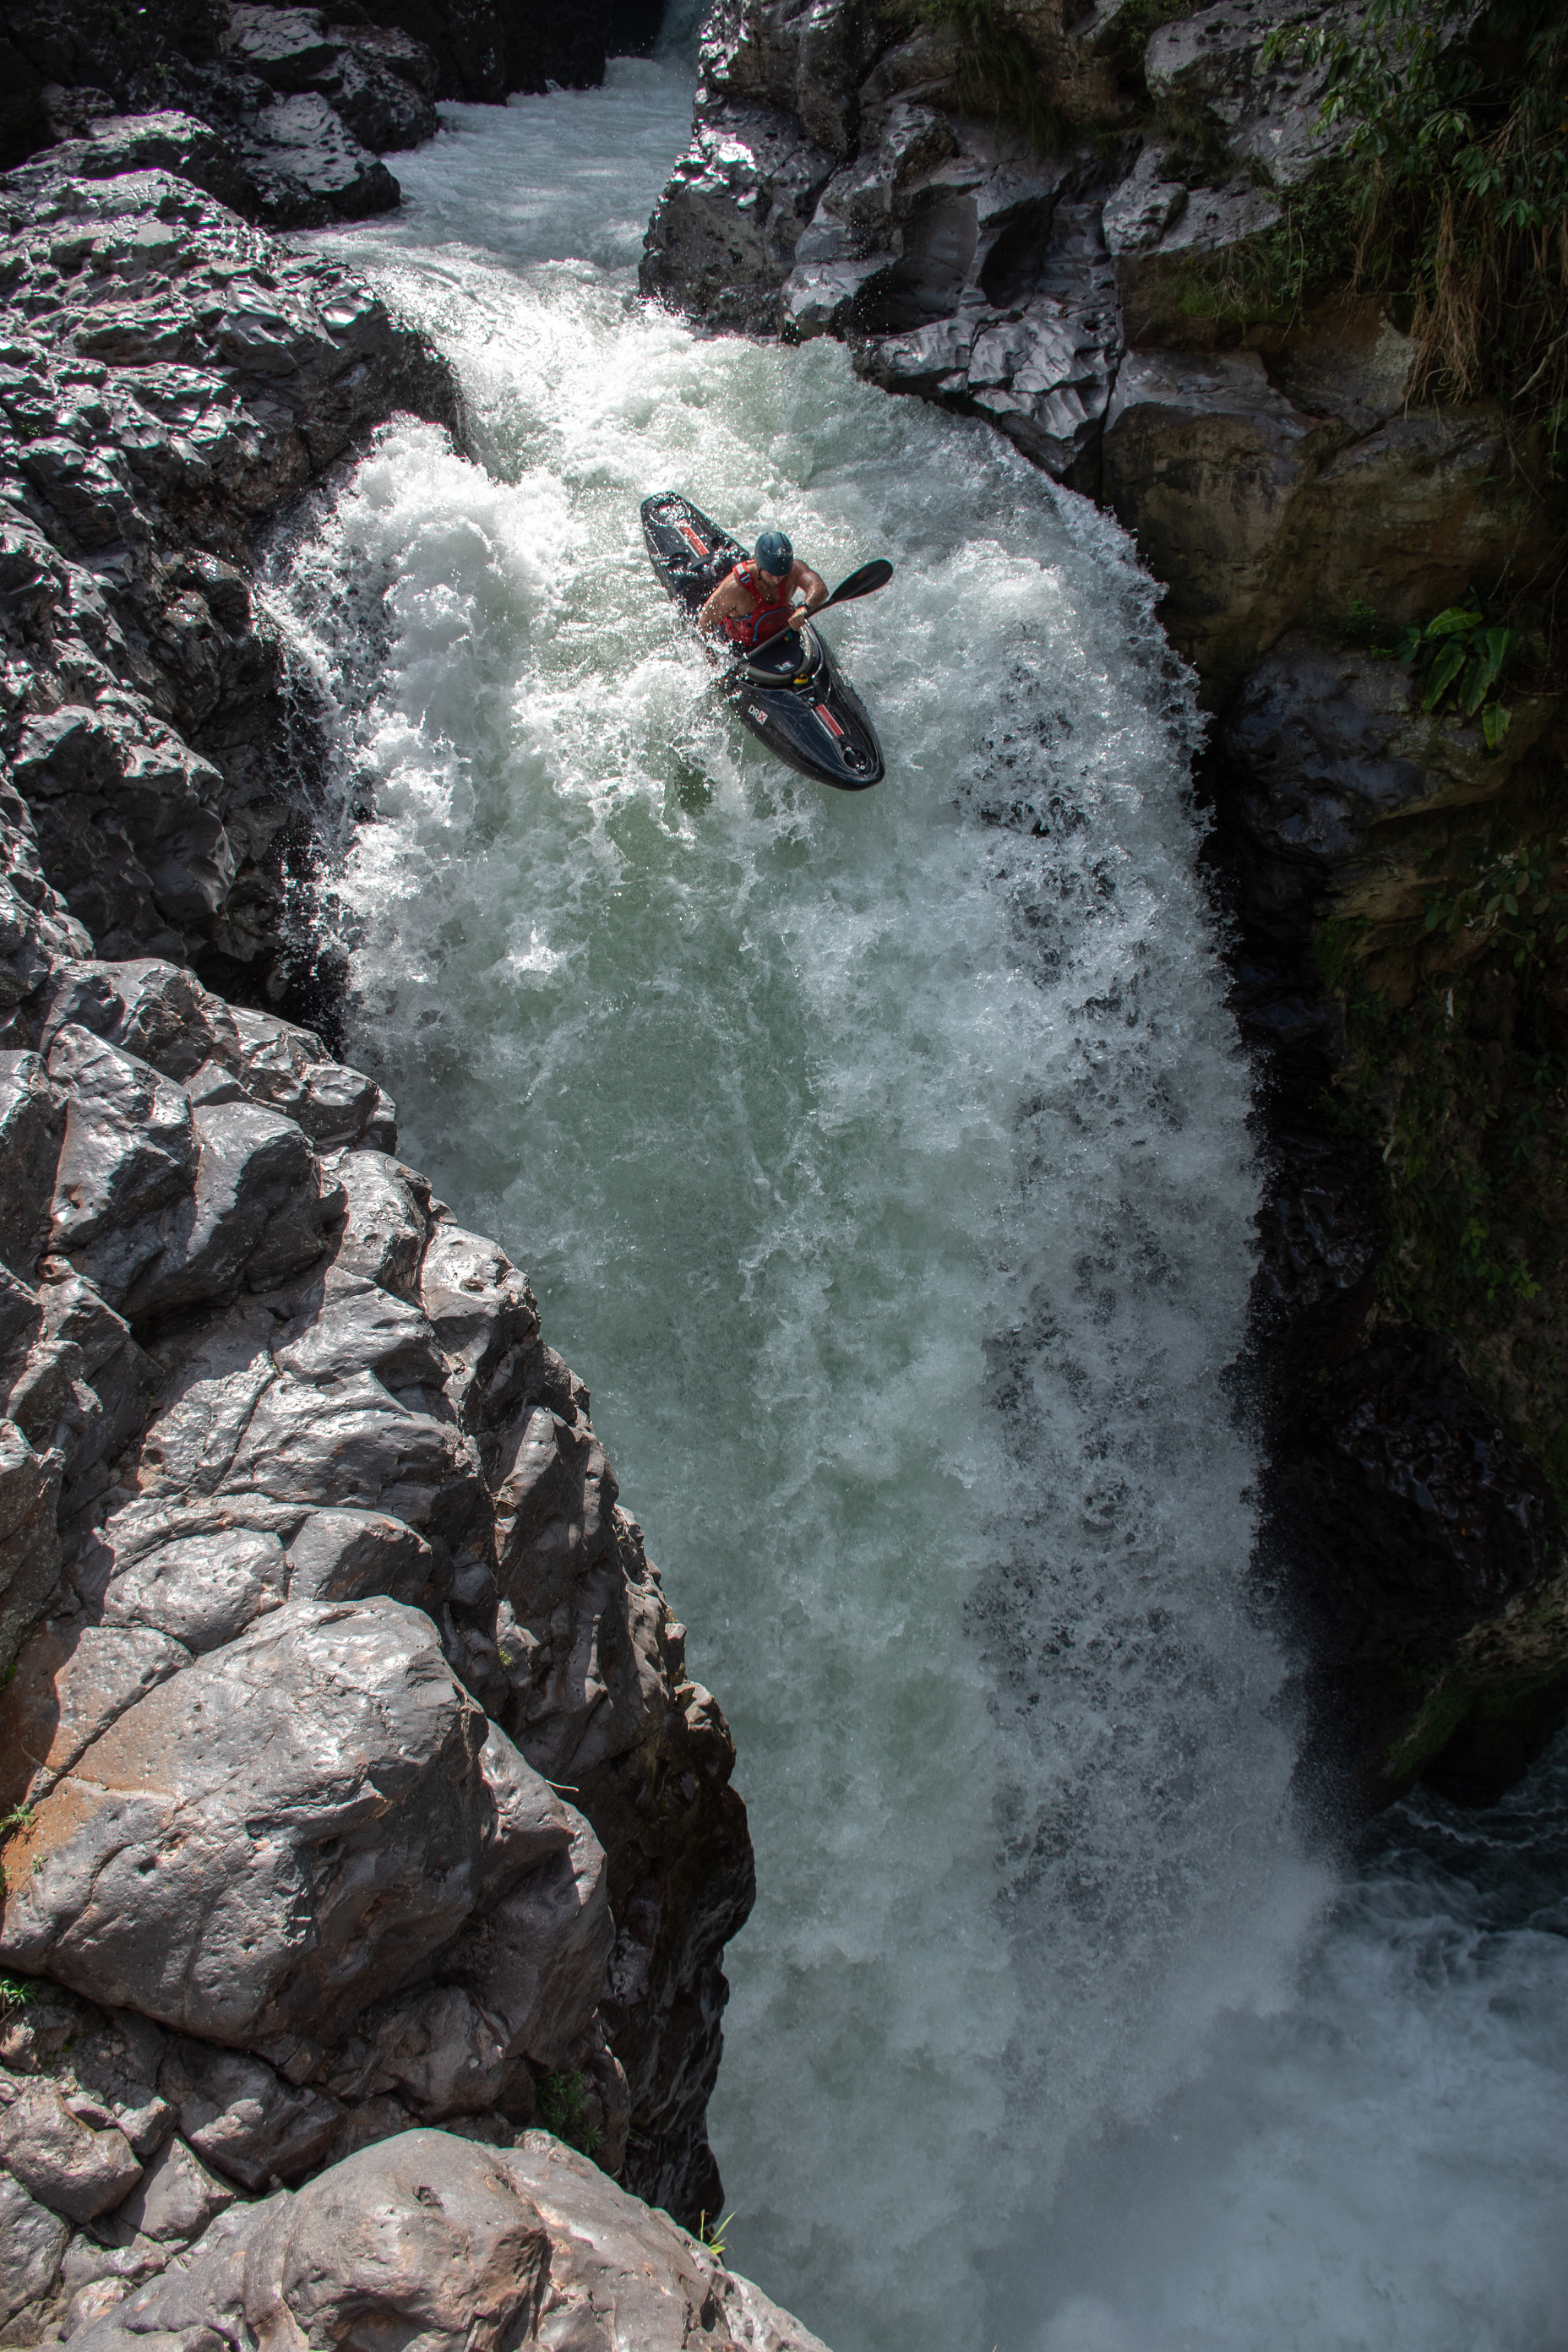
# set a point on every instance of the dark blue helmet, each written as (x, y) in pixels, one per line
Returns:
(774, 553)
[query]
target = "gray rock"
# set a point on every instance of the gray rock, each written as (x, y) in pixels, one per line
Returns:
(201, 1591)
(291, 1070)
(432, 2235)
(175, 2197)
(357, 1327)
(723, 239)
(75, 1310)
(32, 2241)
(442, 2051)
(215, 397)
(131, 1149)
(1170, 249)
(535, 1962)
(1326, 746)
(377, 100)
(32, 1128)
(308, 168)
(168, 140)
(350, 1555)
(256, 1207)
(21, 1319)
(287, 47)
(1142, 207)
(1255, 512)
(219, 1373)
(1212, 439)
(323, 1774)
(239, 2114)
(1348, 360)
(388, 1217)
(59, 2160)
(42, 1391)
(485, 1321)
(352, 1443)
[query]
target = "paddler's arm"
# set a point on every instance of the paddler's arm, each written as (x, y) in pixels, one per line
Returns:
(812, 583)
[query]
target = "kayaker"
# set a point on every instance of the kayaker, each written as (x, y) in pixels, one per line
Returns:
(757, 598)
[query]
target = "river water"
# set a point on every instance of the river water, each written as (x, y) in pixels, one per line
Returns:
(882, 1163)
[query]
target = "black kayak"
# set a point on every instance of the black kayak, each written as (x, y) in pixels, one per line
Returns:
(790, 692)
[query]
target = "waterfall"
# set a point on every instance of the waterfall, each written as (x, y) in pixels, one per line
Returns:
(882, 1162)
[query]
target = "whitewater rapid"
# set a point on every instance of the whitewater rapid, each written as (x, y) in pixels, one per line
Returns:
(882, 1162)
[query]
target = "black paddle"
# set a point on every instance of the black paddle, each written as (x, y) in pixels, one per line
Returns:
(864, 583)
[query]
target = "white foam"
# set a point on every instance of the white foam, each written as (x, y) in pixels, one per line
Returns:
(881, 1162)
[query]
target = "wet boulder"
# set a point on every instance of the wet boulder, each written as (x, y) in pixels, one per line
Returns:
(465, 2246)
(32, 2241)
(388, 1216)
(71, 1681)
(308, 168)
(273, 1836)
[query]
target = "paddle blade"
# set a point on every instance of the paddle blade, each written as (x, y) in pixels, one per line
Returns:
(864, 583)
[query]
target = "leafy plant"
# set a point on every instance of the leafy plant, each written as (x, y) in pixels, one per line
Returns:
(1512, 904)
(714, 2238)
(1455, 122)
(1458, 659)
(18, 1818)
(562, 2101)
(16, 1992)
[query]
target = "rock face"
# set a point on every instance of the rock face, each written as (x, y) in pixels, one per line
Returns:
(828, 190)
(315, 1576)
(171, 379)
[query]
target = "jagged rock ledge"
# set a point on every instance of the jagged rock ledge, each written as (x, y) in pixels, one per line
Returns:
(351, 1781)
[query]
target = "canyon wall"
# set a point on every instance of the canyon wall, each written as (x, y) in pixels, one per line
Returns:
(1076, 229)
(365, 1839)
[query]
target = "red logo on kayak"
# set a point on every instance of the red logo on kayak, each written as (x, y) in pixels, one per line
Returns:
(827, 719)
(691, 537)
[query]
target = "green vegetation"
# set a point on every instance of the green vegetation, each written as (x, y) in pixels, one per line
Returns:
(1460, 657)
(713, 2234)
(562, 2101)
(18, 1818)
(1453, 191)
(1512, 904)
(1362, 627)
(1459, 661)
(16, 1992)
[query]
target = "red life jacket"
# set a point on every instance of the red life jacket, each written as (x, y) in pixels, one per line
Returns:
(743, 629)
